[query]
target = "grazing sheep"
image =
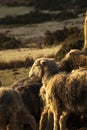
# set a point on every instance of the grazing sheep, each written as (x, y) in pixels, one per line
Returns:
(65, 93)
(13, 114)
(28, 88)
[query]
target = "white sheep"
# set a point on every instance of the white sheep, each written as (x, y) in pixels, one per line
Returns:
(65, 93)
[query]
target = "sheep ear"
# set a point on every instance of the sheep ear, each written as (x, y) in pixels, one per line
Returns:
(43, 62)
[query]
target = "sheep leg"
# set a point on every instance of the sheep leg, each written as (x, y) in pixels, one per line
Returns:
(15, 122)
(56, 114)
(27, 118)
(62, 121)
(43, 119)
(46, 121)
(14, 126)
(3, 126)
(49, 121)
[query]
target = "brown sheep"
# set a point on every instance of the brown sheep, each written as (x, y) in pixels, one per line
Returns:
(13, 114)
(65, 93)
(67, 65)
(73, 60)
(28, 88)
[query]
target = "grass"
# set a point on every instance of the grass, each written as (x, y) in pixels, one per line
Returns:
(16, 63)
(8, 77)
(13, 11)
(24, 57)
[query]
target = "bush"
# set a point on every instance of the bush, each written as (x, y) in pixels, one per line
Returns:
(49, 38)
(59, 36)
(67, 46)
(74, 40)
(8, 42)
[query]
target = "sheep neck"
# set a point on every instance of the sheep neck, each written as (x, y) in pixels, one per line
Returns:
(47, 75)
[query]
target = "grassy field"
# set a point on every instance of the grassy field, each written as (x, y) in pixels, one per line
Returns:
(21, 54)
(13, 11)
(9, 76)
(34, 32)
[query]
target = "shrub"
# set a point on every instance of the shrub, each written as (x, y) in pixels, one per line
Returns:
(9, 42)
(49, 38)
(67, 46)
(74, 40)
(59, 36)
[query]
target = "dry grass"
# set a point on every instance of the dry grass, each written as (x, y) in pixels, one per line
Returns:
(28, 61)
(9, 55)
(8, 77)
(24, 57)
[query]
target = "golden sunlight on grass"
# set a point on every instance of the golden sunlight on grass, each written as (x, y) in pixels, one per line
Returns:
(24, 57)
(8, 77)
(19, 54)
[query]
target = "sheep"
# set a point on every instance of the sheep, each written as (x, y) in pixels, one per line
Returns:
(28, 88)
(73, 60)
(13, 114)
(67, 64)
(65, 93)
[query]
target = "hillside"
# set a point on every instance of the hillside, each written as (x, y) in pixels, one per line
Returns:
(47, 4)
(60, 4)
(4, 2)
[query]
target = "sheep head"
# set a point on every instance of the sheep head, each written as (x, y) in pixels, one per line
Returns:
(43, 66)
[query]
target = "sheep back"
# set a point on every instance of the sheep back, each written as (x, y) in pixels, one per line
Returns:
(29, 91)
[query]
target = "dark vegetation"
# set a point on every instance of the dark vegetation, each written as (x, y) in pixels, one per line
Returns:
(59, 4)
(37, 17)
(68, 9)
(64, 34)
(73, 39)
(17, 4)
(7, 42)
(70, 38)
(30, 18)
(50, 4)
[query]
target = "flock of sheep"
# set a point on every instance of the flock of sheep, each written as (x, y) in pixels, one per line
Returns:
(54, 94)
